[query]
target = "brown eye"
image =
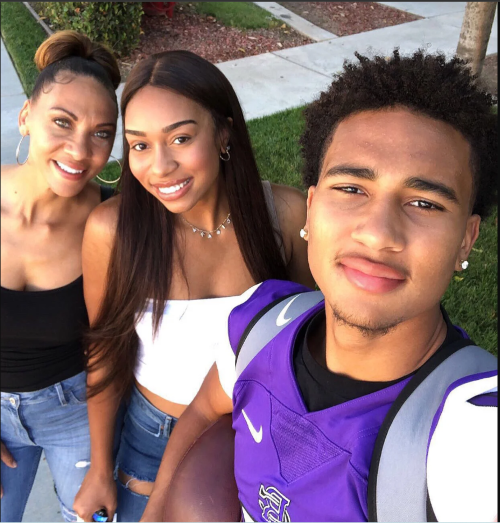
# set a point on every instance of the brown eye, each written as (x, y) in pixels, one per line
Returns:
(181, 139)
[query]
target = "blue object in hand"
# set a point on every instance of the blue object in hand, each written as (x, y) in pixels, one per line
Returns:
(100, 515)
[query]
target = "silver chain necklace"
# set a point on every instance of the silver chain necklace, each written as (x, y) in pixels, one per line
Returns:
(208, 234)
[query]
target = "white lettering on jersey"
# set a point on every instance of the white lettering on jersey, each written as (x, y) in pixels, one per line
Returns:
(273, 504)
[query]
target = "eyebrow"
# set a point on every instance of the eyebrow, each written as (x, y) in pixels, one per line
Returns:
(107, 124)
(415, 182)
(66, 111)
(357, 172)
(421, 184)
(166, 129)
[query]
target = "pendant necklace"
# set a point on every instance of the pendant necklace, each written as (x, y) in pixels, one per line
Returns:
(208, 234)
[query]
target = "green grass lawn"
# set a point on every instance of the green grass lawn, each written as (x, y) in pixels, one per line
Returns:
(21, 35)
(471, 299)
(244, 15)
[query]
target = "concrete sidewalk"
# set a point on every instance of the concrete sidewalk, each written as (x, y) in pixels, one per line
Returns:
(265, 84)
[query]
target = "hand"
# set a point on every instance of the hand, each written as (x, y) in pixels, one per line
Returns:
(97, 491)
(8, 460)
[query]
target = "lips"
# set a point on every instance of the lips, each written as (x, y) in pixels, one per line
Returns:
(173, 190)
(371, 276)
(69, 170)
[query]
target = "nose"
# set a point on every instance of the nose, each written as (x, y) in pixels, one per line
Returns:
(163, 162)
(380, 228)
(79, 147)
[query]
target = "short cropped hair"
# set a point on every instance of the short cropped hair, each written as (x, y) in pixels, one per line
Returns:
(428, 84)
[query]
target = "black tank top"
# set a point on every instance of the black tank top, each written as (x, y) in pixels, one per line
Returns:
(41, 334)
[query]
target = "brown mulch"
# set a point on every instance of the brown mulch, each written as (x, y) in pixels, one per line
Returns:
(348, 18)
(206, 37)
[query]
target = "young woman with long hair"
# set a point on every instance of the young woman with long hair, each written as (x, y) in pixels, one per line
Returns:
(46, 199)
(191, 234)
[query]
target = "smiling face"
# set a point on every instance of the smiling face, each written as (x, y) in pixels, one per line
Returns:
(389, 220)
(174, 150)
(72, 127)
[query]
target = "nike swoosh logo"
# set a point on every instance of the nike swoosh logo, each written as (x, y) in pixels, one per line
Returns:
(281, 320)
(256, 434)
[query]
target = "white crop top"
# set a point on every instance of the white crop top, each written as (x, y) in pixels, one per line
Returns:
(189, 339)
(175, 363)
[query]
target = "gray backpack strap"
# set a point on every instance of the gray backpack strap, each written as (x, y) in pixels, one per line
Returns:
(270, 322)
(397, 485)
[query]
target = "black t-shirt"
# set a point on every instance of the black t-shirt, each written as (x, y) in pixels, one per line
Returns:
(321, 388)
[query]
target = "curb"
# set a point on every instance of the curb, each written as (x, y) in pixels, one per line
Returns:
(301, 25)
(46, 28)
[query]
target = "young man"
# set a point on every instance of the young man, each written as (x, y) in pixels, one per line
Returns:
(400, 161)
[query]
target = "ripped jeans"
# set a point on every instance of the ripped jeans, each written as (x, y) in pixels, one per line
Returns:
(53, 419)
(144, 436)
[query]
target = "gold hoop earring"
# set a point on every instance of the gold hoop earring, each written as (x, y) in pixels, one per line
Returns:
(19, 149)
(225, 158)
(111, 181)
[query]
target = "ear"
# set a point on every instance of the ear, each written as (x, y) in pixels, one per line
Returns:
(224, 136)
(470, 237)
(23, 120)
(310, 195)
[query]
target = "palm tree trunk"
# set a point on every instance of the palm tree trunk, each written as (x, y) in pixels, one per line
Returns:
(475, 33)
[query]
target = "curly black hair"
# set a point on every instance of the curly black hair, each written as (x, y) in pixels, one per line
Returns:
(428, 84)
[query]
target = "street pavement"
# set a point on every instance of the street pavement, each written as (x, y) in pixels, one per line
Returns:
(266, 84)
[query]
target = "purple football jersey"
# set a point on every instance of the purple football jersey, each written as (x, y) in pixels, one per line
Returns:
(291, 464)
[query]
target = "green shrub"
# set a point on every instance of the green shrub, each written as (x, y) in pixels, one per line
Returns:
(116, 24)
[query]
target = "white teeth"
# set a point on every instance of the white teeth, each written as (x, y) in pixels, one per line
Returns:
(68, 169)
(173, 188)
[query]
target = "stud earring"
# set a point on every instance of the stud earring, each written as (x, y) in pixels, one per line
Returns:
(303, 233)
(464, 264)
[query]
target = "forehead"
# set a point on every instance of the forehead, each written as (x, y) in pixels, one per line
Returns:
(82, 95)
(155, 104)
(401, 143)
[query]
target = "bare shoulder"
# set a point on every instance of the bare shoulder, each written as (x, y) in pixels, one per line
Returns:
(102, 221)
(288, 198)
(291, 207)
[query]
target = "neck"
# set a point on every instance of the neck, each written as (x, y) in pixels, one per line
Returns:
(211, 210)
(383, 357)
(34, 199)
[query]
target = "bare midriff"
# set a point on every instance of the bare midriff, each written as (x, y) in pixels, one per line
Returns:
(168, 407)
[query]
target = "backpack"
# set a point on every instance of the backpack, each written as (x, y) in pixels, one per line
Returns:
(394, 493)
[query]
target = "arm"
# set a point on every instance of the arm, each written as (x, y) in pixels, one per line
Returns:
(291, 206)
(98, 489)
(210, 404)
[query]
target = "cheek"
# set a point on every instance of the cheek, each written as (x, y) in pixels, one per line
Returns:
(101, 149)
(326, 231)
(138, 167)
(434, 251)
(45, 140)
(203, 160)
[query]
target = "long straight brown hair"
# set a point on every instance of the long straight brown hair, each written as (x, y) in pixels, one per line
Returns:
(141, 260)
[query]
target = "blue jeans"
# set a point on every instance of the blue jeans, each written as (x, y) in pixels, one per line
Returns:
(54, 420)
(144, 436)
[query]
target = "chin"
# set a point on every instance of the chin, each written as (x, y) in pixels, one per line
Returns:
(369, 319)
(67, 190)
